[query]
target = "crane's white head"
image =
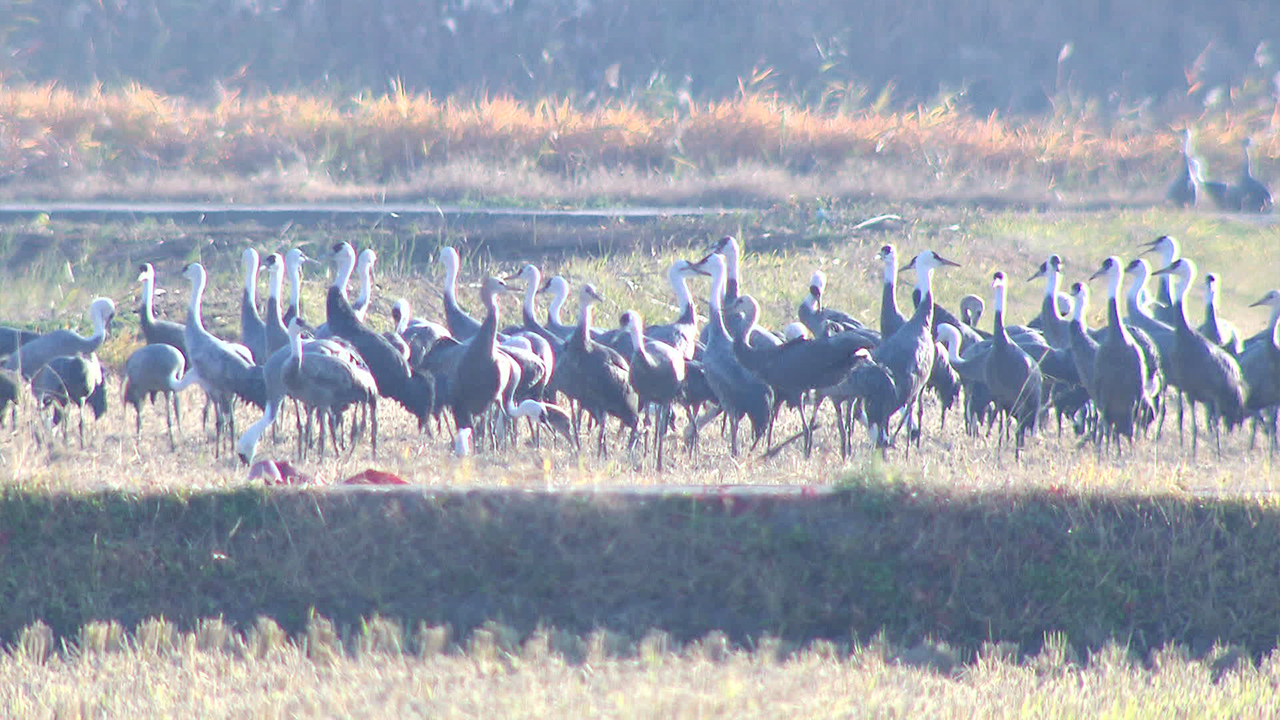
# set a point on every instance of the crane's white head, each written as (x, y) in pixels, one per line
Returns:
(366, 260)
(949, 336)
(588, 294)
(971, 307)
(102, 310)
(1271, 300)
(294, 257)
(557, 286)
(1211, 284)
(685, 268)
(529, 273)
(1165, 245)
(449, 258)
(930, 260)
(1053, 265)
(1079, 300)
(1183, 269)
(817, 284)
(795, 331)
(146, 273)
(274, 265)
(194, 272)
(1109, 268)
(400, 311)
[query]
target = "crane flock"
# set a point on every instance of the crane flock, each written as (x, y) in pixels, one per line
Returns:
(473, 379)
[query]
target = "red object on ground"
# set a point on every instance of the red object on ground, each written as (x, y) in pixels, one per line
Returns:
(375, 477)
(279, 472)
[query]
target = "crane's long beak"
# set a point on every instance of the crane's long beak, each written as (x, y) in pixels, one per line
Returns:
(945, 261)
(1163, 271)
(1097, 274)
(1044, 268)
(1264, 300)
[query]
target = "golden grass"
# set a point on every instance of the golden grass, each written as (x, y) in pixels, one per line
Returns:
(57, 135)
(213, 672)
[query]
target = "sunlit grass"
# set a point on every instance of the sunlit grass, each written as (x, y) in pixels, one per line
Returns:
(214, 671)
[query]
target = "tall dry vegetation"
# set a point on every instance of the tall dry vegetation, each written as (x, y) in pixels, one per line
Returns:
(53, 134)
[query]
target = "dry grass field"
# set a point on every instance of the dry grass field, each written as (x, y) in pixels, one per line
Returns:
(1153, 549)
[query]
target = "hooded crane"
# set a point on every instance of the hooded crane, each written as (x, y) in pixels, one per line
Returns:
(421, 335)
(1083, 345)
(559, 289)
(276, 392)
(1163, 311)
(1182, 189)
(483, 374)
(1119, 374)
(327, 384)
(153, 370)
(909, 351)
(891, 318)
(153, 330)
(737, 390)
(461, 325)
(970, 365)
(596, 375)
(682, 333)
(657, 373)
(293, 260)
(225, 370)
(1219, 192)
(71, 380)
(1014, 378)
(1249, 194)
(729, 249)
(277, 335)
(1260, 364)
(819, 319)
(252, 329)
(1208, 374)
(529, 323)
(1217, 329)
(414, 391)
(32, 356)
(364, 268)
(800, 365)
(1053, 325)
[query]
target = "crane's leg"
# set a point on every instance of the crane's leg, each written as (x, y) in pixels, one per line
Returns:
(177, 416)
